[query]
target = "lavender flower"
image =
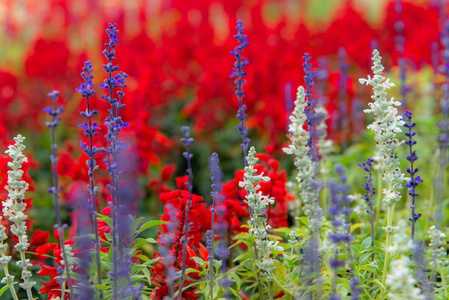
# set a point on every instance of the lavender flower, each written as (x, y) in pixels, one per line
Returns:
(414, 181)
(399, 26)
(443, 123)
(342, 110)
(237, 71)
(340, 213)
(83, 289)
(114, 85)
(335, 236)
(221, 251)
(188, 156)
(309, 111)
(419, 260)
(90, 130)
(166, 240)
(312, 270)
(54, 112)
(346, 201)
(216, 177)
(370, 191)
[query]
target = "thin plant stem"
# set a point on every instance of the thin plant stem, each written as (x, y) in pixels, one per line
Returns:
(443, 281)
(387, 253)
(11, 285)
(95, 223)
(379, 197)
(188, 157)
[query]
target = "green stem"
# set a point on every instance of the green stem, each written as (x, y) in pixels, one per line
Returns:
(379, 197)
(256, 258)
(281, 286)
(443, 281)
(24, 269)
(387, 254)
(268, 291)
(11, 285)
(324, 196)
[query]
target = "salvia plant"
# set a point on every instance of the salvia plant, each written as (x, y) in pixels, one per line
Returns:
(322, 228)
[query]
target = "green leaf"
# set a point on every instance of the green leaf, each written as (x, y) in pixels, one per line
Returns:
(150, 224)
(217, 264)
(366, 242)
(4, 289)
(355, 226)
(243, 256)
(235, 293)
(364, 257)
(237, 279)
(147, 274)
(199, 261)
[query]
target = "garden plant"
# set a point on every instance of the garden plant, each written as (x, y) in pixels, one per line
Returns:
(319, 174)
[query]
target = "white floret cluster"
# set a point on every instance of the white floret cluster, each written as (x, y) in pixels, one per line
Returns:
(13, 209)
(258, 221)
(401, 281)
(386, 125)
(401, 240)
(15, 206)
(437, 249)
(307, 170)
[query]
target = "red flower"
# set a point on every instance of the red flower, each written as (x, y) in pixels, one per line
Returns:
(52, 287)
(199, 215)
(421, 25)
(48, 59)
(159, 275)
(200, 219)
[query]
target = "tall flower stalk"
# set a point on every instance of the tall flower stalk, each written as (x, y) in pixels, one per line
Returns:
(54, 112)
(414, 180)
(221, 229)
(216, 177)
(399, 27)
(438, 255)
(4, 261)
(239, 73)
(114, 86)
(258, 203)
(342, 118)
(385, 126)
(187, 140)
(13, 209)
(90, 130)
(443, 124)
(370, 191)
(258, 219)
(299, 148)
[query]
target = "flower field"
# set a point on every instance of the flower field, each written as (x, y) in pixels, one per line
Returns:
(225, 149)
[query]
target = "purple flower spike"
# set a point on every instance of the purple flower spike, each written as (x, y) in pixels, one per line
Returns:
(340, 206)
(187, 140)
(54, 113)
(121, 237)
(414, 180)
(237, 71)
(443, 123)
(312, 118)
(90, 130)
(370, 191)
